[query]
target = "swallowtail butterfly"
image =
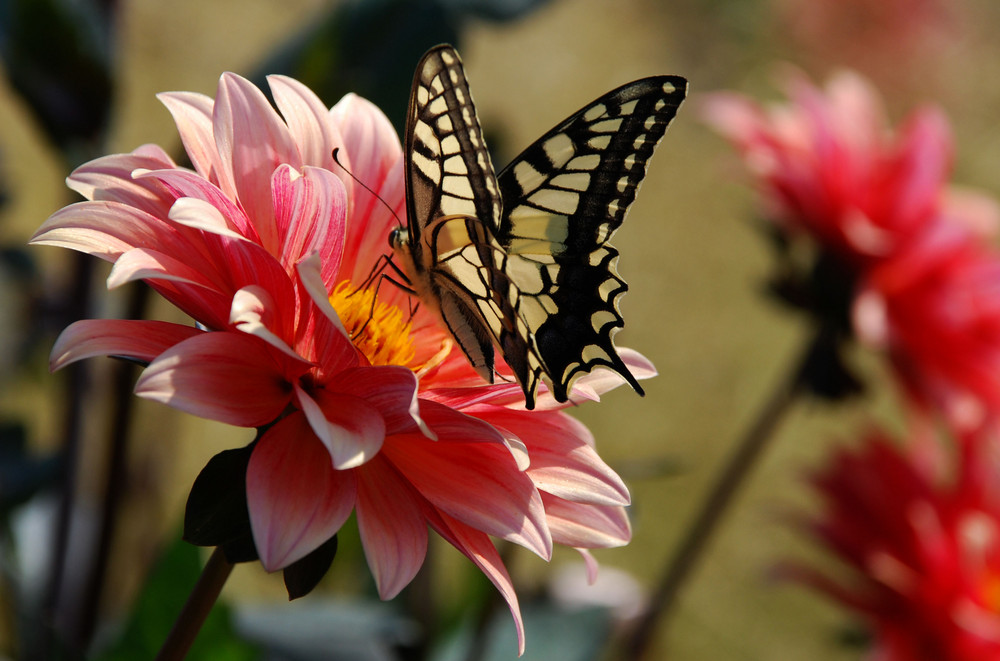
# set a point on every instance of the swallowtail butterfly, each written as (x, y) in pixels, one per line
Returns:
(521, 259)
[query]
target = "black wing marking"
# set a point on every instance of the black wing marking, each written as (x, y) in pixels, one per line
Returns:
(563, 199)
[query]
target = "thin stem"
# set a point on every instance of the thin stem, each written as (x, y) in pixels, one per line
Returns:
(196, 609)
(734, 474)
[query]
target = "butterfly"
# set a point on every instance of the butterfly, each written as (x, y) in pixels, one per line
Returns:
(520, 260)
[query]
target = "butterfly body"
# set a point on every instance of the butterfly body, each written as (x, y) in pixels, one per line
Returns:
(520, 261)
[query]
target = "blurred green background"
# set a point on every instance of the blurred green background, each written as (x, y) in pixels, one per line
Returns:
(695, 263)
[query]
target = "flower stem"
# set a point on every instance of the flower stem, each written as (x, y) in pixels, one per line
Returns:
(196, 609)
(734, 474)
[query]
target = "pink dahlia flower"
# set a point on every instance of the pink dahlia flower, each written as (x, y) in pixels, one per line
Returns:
(923, 549)
(366, 406)
(829, 166)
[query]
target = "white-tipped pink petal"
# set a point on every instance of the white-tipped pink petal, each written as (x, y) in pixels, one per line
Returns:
(477, 547)
(192, 112)
(137, 340)
(308, 121)
(226, 376)
(252, 142)
(296, 500)
(587, 526)
(392, 526)
(310, 210)
(351, 429)
(392, 390)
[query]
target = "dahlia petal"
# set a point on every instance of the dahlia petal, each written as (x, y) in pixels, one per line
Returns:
(225, 376)
(252, 141)
(351, 429)
(199, 214)
(485, 489)
(392, 526)
(376, 159)
(563, 461)
(478, 548)
(296, 500)
(137, 340)
(310, 211)
(252, 313)
(109, 178)
(587, 526)
(142, 263)
(245, 262)
(192, 113)
(185, 183)
(106, 230)
(310, 275)
(308, 121)
(392, 390)
(590, 564)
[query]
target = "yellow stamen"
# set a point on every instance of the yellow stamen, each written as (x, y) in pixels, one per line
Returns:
(379, 330)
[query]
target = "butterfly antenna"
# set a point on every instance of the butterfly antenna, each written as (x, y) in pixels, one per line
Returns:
(378, 197)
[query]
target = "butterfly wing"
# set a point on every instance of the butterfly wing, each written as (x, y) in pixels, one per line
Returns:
(450, 255)
(535, 274)
(563, 199)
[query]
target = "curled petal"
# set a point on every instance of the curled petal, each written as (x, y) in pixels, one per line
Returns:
(351, 429)
(147, 264)
(392, 390)
(225, 376)
(296, 500)
(253, 313)
(136, 340)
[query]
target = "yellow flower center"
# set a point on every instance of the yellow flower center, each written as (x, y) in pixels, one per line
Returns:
(380, 331)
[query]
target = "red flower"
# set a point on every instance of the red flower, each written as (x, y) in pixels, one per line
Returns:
(937, 314)
(829, 166)
(373, 409)
(923, 547)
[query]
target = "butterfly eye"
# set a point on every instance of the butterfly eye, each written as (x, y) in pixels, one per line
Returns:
(398, 237)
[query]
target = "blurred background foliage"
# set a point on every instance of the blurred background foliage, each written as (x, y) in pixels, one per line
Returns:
(78, 78)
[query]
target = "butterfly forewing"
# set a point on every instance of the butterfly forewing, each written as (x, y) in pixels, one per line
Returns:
(448, 168)
(522, 260)
(563, 199)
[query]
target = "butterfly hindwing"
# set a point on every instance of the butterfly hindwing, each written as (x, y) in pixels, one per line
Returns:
(521, 260)
(563, 199)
